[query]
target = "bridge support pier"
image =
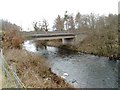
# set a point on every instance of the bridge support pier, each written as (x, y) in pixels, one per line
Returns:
(68, 41)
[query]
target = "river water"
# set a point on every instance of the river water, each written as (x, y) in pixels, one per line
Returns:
(78, 69)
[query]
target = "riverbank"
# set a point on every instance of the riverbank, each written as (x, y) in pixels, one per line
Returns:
(91, 46)
(32, 70)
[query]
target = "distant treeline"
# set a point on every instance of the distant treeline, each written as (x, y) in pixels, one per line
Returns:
(87, 22)
(80, 22)
(6, 25)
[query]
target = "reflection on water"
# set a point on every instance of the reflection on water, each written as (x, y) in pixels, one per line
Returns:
(81, 70)
(52, 49)
(67, 52)
(28, 45)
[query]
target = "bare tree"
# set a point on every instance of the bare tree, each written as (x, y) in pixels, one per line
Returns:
(71, 23)
(66, 17)
(84, 22)
(78, 20)
(38, 26)
(35, 26)
(92, 20)
(59, 23)
(45, 25)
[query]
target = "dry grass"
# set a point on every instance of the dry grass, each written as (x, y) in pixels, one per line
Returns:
(8, 82)
(103, 43)
(33, 70)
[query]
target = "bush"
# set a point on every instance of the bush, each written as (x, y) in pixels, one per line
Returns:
(11, 39)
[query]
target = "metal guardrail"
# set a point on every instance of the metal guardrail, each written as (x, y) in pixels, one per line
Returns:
(10, 72)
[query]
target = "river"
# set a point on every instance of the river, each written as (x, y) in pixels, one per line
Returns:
(78, 69)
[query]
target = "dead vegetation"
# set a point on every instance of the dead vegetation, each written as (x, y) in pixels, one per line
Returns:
(33, 70)
(12, 40)
(103, 43)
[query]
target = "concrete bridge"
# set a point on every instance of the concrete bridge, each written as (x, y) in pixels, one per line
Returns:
(66, 37)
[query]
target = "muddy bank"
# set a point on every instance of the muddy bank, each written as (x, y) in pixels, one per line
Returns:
(33, 70)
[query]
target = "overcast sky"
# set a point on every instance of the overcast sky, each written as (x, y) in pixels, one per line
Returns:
(24, 12)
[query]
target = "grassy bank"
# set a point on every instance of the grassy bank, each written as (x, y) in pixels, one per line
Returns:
(33, 70)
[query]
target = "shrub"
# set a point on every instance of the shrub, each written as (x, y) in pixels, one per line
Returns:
(11, 39)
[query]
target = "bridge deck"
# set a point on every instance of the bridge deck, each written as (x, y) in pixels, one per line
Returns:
(51, 35)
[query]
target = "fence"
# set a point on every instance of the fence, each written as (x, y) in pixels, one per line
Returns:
(11, 80)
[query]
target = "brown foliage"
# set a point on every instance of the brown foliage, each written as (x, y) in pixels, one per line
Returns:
(16, 41)
(33, 70)
(12, 40)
